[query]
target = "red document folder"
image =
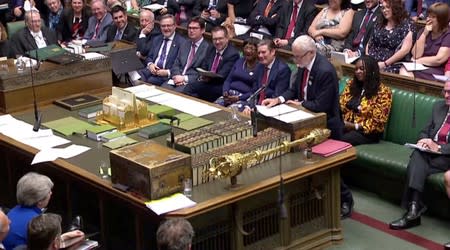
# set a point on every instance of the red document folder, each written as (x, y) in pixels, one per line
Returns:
(330, 147)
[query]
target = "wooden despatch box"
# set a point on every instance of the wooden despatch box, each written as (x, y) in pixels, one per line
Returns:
(150, 169)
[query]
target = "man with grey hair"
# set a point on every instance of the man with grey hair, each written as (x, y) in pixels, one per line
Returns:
(315, 86)
(33, 194)
(98, 23)
(4, 228)
(33, 36)
(175, 234)
(146, 33)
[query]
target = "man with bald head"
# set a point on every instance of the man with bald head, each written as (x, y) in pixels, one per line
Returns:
(33, 36)
(99, 22)
(4, 228)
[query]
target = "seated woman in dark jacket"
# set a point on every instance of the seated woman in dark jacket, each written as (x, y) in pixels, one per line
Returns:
(74, 21)
(238, 85)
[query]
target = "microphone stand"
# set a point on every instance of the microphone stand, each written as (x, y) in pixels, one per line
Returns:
(414, 38)
(37, 114)
(254, 112)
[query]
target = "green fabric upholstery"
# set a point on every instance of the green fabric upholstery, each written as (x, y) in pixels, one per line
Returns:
(13, 27)
(381, 168)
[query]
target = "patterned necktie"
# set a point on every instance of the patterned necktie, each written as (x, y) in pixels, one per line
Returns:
(216, 62)
(293, 22)
(262, 94)
(76, 28)
(97, 28)
(190, 58)
(362, 29)
(268, 8)
(303, 85)
(443, 132)
(162, 57)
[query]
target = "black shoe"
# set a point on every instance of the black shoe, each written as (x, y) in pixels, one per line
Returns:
(447, 246)
(411, 218)
(77, 224)
(346, 209)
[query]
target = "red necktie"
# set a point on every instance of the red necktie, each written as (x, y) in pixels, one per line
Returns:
(419, 8)
(190, 58)
(304, 81)
(443, 132)
(262, 94)
(268, 8)
(292, 23)
(362, 30)
(97, 27)
(216, 62)
(181, 16)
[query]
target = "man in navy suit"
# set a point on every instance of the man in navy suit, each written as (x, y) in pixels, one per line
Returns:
(220, 59)
(191, 55)
(295, 19)
(434, 137)
(120, 30)
(266, 14)
(33, 36)
(98, 23)
(315, 86)
(362, 28)
(270, 72)
(147, 32)
(163, 52)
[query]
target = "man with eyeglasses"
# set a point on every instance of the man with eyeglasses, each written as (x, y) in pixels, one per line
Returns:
(191, 56)
(219, 60)
(431, 156)
(163, 52)
(315, 86)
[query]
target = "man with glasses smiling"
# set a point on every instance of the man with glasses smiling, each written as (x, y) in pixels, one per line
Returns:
(163, 52)
(315, 87)
(192, 54)
(434, 140)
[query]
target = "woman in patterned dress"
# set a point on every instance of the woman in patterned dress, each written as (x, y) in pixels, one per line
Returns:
(392, 39)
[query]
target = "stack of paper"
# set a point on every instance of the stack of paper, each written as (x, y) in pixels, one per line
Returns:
(171, 203)
(284, 113)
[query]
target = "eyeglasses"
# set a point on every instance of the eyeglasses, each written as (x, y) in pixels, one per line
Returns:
(301, 57)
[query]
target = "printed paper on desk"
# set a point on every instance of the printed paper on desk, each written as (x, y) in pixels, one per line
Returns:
(171, 203)
(330, 147)
(275, 110)
(294, 116)
(412, 66)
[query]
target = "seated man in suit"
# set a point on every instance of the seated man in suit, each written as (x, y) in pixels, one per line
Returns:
(33, 36)
(98, 23)
(191, 55)
(295, 19)
(270, 72)
(265, 17)
(146, 33)
(434, 137)
(362, 28)
(315, 86)
(220, 59)
(120, 30)
(163, 51)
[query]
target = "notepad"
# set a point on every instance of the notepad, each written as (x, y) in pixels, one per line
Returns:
(171, 203)
(330, 147)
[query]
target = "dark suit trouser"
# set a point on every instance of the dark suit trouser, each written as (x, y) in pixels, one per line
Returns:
(205, 91)
(420, 166)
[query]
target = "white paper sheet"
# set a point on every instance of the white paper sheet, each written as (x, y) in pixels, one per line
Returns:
(183, 104)
(50, 154)
(171, 203)
(441, 78)
(275, 110)
(294, 116)
(412, 66)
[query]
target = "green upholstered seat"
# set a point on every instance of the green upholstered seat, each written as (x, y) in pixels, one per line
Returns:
(13, 27)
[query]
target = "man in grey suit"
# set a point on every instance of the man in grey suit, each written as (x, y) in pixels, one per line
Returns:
(98, 23)
(435, 139)
(33, 36)
(191, 56)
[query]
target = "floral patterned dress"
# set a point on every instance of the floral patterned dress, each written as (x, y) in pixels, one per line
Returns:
(384, 43)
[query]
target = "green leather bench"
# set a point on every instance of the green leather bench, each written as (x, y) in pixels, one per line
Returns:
(381, 168)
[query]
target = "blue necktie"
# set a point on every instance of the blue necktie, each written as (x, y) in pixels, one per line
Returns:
(162, 57)
(118, 35)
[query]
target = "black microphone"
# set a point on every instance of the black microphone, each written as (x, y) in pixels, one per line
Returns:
(254, 95)
(37, 114)
(172, 119)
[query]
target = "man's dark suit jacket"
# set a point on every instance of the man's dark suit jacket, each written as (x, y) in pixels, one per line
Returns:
(129, 34)
(156, 44)
(438, 115)
(65, 26)
(356, 24)
(144, 44)
(212, 89)
(305, 17)
(271, 21)
(181, 60)
(221, 7)
(278, 80)
(23, 41)
(322, 93)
